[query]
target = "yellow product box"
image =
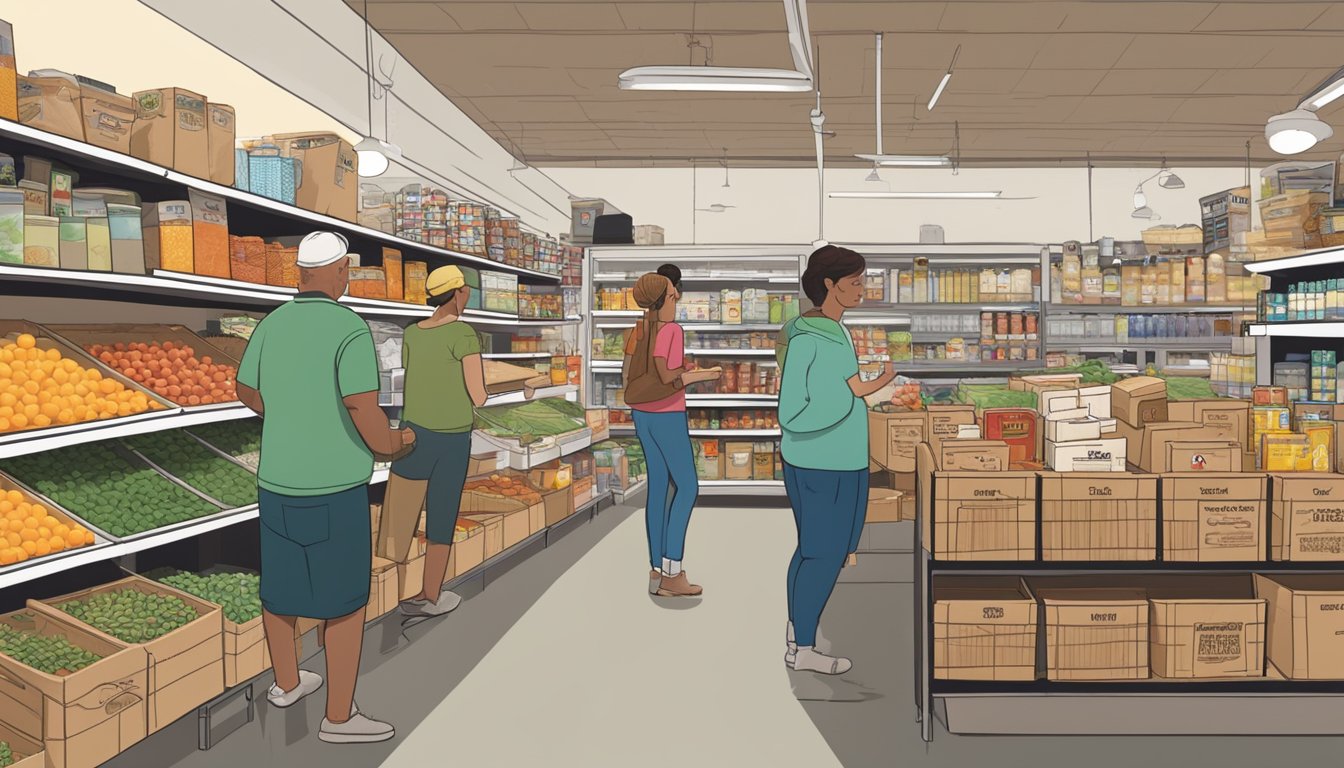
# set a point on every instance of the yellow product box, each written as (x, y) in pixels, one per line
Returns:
(1272, 418)
(1321, 445)
(1287, 452)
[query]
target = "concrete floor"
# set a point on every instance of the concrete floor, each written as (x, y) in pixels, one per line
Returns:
(566, 661)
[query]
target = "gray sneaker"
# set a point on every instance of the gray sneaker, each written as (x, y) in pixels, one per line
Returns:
(359, 729)
(448, 602)
(309, 682)
(822, 645)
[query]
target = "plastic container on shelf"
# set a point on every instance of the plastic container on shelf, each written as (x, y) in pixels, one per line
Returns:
(41, 241)
(168, 236)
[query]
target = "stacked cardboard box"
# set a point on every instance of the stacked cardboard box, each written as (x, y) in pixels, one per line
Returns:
(1103, 516)
(1079, 431)
(984, 628)
(976, 515)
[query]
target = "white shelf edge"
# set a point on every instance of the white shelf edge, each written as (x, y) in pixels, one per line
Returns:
(1321, 329)
(33, 441)
(509, 398)
(1318, 258)
(735, 433)
(516, 355)
(705, 399)
(73, 146)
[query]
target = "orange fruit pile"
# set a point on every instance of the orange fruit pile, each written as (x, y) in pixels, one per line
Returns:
(172, 370)
(40, 388)
(27, 530)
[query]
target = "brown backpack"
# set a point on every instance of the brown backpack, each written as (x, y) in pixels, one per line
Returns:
(642, 382)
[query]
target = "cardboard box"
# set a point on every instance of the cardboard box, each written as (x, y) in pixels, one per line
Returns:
(170, 130)
(1269, 396)
(1232, 415)
(382, 589)
(411, 578)
(1098, 516)
(51, 103)
(893, 436)
(1095, 634)
(763, 462)
(25, 752)
(738, 458)
(884, 505)
(551, 475)
(493, 532)
(1020, 428)
(1285, 452)
(185, 666)
(943, 422)
(1139, 400)
(1148, 444)
(1070, 429)
(1213, 516)
(1202, 456)
(1306, 517)
(467, 553)
(1305, 626)
(581, 492)
(108, 117)
(1108, 455)
(984, 628)
(973, 455)
(221, 136)
(977, 515)
(87, 717)
(1202, 637)
(482, 464)
(330, 182)
(708, 458)
(1045, 383)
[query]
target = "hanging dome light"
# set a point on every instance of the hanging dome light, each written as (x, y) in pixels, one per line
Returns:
(1297, 131)
(1140, 199)
(1142, 212)
(375, 156)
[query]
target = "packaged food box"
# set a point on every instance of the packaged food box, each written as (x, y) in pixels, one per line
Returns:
(210, 234)
(330, 179)
(1139, 400)
(11, 227)
(42, 241)
(1213, 516)
(221, 133)
(392, 271)
(1018, 427)
(1098, 516)
(74, 242)
(1285, 452)
(9, 75)
(973, 455)
(1106, 455)
(984, 628)
(884, 505)
(49, 100)
(168, 236)
(108, 116)
(170, 130)
(738, 460)
(708, 458)
(127, 239)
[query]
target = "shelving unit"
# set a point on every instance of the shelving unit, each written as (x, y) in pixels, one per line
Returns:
(1273, 341)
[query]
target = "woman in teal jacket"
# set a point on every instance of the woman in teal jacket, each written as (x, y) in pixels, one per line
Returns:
(825, 447)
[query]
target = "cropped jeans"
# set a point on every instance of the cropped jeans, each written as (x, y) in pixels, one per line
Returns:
(673, 485)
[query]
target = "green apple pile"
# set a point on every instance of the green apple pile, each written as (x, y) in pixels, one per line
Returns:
(183, 457)
(237, 593)
(53, 655)
(239, 439)
(130, 615)
(113, 491)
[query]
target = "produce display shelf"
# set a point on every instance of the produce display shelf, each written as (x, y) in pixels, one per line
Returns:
(621, 494)
(51, 438)
(738, 433)
(1310, 329)
(1215, 344)
(1318, 258)
(509, 398)
(515, 355)
(1147, 309)
(75, 152)
(742, 487)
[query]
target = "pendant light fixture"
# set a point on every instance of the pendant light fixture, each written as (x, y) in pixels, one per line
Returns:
(726, 185)
(880, 159)
(374, 154)
(1298, 130)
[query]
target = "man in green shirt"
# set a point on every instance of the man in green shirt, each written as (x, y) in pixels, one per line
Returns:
(311, 373)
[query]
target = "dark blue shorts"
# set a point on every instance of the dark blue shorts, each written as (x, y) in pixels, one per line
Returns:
(316, 553)
(442, 458)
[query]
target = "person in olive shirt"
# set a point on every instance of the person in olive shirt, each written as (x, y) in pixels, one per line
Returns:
(310, 372)
(445, 381)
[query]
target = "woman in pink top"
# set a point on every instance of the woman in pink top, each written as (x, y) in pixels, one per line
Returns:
(665, 436)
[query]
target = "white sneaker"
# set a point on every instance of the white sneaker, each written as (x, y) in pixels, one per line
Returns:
(809, 660)
(448, 602)
(822, 645)
(359, 729)
(309, 682)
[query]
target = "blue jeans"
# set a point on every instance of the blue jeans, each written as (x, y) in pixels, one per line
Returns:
(666, 439)
(829, 507)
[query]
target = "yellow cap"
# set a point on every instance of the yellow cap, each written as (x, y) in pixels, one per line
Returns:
(443, 280)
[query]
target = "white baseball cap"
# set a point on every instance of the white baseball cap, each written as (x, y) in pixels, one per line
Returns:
(318, 249)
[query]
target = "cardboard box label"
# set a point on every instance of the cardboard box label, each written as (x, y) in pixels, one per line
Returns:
(1308, 518)
(1203, 457)
(1213, 517)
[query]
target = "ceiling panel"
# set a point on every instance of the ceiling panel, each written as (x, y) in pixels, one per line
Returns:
(1045, 81)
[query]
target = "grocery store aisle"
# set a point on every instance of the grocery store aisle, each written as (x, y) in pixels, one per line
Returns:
(598, 673)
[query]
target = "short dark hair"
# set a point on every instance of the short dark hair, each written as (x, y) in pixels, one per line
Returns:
(829, 261)
(442, 298)
(673, 274)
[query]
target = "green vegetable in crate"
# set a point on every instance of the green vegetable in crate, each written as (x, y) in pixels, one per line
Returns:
(1092, 371)
(130, 615)
(237, 593)
(236, 438)
(108, 487)
(529, 422)
(984, 396)
(53, 655)
(1189, 388)
(6, 754)
(183, 457)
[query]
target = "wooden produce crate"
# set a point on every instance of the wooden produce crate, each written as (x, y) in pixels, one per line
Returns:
(1307, 517)
(87, 717)
(984, 628)
(1200, 637)
(25, 752)
(1098, 516)
(186, 666)
(382, 589)
(492, 526)
(976, 515)
(85, 336)
(1305, 625)
(1213, 516)
(468, 548)
(48, 339)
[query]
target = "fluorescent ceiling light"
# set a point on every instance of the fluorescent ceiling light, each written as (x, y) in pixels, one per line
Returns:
(1331, 90)
(732, 79)
(1325, 257)
(909, 161)
(1297, 131)
(915, 195)
(939, 90)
